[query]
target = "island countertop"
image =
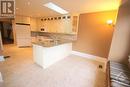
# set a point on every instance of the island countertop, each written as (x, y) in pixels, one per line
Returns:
(51, 43)
(47, 53)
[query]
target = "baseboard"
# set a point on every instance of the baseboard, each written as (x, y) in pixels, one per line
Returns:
(89, 56)
(92, 57)
(83, 55)
(2, 58)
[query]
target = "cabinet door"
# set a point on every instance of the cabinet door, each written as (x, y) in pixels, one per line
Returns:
(37, 54)
(61, 26)
(49, 26)
(46, 26)
(33, 24)
(26, 20)
(75, 22)
(22, 19)
(39, 24)
(18, 19)
(68, 26)
(56, 26)
(42, 24)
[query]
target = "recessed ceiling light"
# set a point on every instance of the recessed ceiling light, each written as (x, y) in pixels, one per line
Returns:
(28, 3)
(55, 8)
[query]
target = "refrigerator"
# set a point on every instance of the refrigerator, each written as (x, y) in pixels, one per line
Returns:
(23, 35)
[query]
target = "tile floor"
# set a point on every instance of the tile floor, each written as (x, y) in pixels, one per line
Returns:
(20, 71)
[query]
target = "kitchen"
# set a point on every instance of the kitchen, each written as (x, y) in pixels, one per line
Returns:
(60, 44)
(47, 32)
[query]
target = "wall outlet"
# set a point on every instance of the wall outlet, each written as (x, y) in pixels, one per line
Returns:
(100, 66)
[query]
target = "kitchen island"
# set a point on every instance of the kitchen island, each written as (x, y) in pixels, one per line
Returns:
(47, 53)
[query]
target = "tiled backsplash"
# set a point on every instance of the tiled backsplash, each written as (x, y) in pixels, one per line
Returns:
(55, 36)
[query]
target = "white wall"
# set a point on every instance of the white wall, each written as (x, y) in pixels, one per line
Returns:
(120, 47)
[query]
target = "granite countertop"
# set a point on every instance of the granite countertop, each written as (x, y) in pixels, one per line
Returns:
(51, 43)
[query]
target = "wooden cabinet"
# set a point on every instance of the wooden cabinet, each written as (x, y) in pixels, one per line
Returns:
(75, 23)
(22, 19)
(69, 24)
(33, 24)
(47, 56)
(39, 24)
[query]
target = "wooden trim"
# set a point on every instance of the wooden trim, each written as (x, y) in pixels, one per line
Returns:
(22, 24)
(108, 75)
(14, 31)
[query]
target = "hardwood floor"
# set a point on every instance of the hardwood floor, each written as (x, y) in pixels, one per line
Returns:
(20, 71)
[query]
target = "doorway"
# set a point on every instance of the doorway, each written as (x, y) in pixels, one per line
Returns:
(6, 32)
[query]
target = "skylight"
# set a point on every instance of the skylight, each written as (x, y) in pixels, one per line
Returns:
(55, 8)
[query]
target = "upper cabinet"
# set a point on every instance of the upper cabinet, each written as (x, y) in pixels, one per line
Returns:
(75, 23)
(33, 24)
(22, 19)
(42, 25)
(60, 24)
(27, 20)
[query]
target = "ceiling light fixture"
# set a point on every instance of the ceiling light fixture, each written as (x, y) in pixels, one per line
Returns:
(28, 3)
(55, 8)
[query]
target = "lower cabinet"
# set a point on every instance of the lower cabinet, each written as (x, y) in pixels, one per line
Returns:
(47, 56)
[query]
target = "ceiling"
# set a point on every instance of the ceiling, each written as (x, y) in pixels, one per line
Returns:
(35, 8)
